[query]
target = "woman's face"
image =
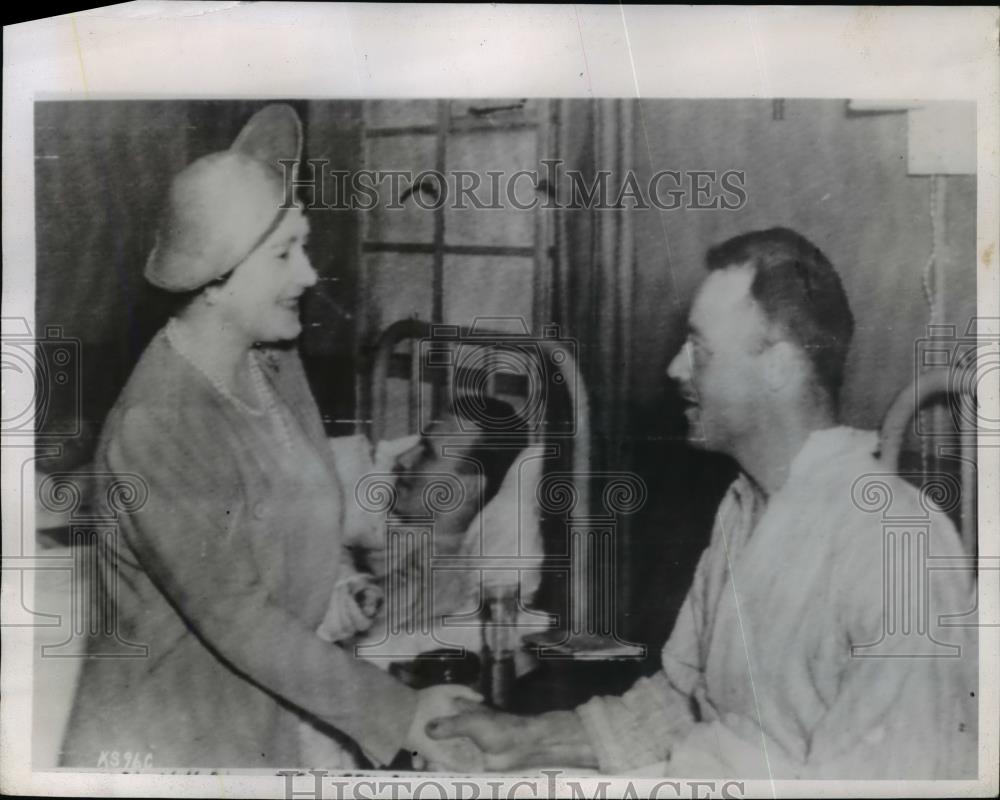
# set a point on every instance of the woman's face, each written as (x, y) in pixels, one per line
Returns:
(261, 297)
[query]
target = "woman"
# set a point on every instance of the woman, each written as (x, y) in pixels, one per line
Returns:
(226, 571)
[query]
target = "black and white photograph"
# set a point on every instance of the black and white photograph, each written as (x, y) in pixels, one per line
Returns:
(599, 441)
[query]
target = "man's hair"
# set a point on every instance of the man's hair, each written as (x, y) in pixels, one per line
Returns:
(799, 291)
(501, 435)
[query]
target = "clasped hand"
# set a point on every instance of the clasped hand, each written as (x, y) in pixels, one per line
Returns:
(454, 732)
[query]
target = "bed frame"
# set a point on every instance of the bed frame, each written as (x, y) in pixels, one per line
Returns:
(403, 351)
(924, 396)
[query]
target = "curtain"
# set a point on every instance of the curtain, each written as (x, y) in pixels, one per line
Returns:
(593, 299)
(595, 269)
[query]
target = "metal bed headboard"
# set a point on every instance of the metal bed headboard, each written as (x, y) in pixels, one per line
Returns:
(415, 331)
(931, 386)
(569, 458)
(585, 631)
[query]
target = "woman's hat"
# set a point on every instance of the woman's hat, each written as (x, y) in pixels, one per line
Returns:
(224, 205)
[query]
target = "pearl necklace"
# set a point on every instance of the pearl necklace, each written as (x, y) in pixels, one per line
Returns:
(269, 399)
(264, 393)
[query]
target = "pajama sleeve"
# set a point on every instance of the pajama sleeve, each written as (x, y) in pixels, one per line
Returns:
(906, 701)
(638, 728)
(642, 726)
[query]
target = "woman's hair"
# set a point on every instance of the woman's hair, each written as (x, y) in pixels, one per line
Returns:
(178, 302)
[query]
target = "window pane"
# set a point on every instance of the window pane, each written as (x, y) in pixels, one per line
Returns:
(489, 286)
(411, 223)
(505, 152)
(400, 287)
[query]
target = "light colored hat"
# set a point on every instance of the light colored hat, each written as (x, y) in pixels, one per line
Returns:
(224, 205)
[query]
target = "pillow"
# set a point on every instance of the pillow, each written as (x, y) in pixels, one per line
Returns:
(506, 526)
(354, 459)
(509, 526)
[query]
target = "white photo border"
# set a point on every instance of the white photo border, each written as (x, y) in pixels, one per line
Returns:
(188, 50)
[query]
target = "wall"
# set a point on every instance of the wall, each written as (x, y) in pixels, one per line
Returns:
(102, 171)
(329, 346)
(841, 179)
(838, 178)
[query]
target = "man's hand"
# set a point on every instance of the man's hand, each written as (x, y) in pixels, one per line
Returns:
(457, 754)
(508, 741)
(498, 735)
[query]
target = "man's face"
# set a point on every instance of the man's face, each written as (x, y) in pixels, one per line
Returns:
(423, 465)
(718, 370)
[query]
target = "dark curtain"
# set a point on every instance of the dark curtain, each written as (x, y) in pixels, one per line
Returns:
(596, 269)
(602, 291)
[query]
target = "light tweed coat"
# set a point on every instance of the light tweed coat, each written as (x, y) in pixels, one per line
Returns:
(225, 574)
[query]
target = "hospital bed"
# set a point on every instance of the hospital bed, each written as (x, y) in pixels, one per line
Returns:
(418, 367)
(936, 416)
(927, 431)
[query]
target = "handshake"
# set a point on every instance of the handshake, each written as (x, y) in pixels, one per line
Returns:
(454, 732)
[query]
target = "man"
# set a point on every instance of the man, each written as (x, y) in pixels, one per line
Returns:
(767, 673)
(463, 447)
(446, 483)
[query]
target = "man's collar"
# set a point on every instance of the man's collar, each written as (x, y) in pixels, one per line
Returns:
(829, 446)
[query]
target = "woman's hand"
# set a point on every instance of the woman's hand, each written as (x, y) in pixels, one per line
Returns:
(500, 736)
(354, 604)
(509, 741)
(457, 754)
(368, 597)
